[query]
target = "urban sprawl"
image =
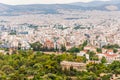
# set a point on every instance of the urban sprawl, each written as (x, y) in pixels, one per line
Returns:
(69, 29)
(93, 34)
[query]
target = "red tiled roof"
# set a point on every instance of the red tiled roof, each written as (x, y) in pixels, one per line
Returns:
(110, 55)
(110, 50)
(85, 51)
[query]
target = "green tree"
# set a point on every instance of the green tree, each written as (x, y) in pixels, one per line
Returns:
(103, 60)
(84, 43)
(99, 50)
(92, 55)
(74, 50)
(36, 46)
(63, 48)
(8, 69)
(114, 67)
(115, 50)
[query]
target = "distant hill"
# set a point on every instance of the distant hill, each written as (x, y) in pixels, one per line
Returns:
(10, 10)
(36, 9)
(100, 5)
(96, 3)
(4, 7)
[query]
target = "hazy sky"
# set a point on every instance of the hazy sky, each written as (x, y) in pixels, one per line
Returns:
(14, 2)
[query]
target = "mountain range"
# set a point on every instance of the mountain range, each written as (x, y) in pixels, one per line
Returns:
(112, 5)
